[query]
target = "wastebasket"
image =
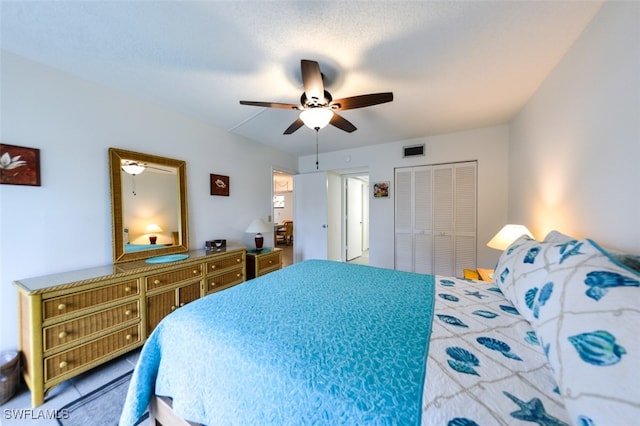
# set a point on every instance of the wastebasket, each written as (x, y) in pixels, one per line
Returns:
(9, 375)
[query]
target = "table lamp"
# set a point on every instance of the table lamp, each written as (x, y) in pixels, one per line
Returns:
(507, 235)
(258, 226)
(152, 228)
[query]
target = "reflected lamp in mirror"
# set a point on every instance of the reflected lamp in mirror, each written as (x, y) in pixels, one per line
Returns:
(507, 235)
(152, 229)
(258, 226)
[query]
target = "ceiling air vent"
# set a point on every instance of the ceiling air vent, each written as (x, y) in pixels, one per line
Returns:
(413, 150)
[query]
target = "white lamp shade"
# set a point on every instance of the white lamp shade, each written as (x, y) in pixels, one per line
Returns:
(507, 235)
(152, 227)
(258, 226)
(316, 118)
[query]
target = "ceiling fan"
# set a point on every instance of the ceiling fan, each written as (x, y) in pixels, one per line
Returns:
(317, 106)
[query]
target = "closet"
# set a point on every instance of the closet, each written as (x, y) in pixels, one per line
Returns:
(435, 218)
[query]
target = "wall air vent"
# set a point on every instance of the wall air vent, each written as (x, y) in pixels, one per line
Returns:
(412, 150)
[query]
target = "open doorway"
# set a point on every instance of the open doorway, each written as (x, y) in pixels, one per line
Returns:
(356, 224)
(283, 214)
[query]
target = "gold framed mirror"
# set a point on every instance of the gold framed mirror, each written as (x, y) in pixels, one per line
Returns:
(148, 205)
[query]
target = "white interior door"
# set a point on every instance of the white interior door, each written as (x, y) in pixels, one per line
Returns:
(310, 212)
(354, 218)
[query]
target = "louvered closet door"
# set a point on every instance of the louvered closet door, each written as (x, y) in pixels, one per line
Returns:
(435, 218)
(443, 261)
(404, 220)
(423, 220)
(465, 217)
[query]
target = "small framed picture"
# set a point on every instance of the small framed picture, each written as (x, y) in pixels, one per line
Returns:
(219, 185)
(19, 165)
(381, 190)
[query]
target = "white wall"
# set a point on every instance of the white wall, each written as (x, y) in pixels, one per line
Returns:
(488, 146)
(575, 148)
(66, 223)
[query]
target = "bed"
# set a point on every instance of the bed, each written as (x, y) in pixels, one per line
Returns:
(323, 342)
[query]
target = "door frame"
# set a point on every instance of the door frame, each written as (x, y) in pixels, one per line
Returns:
(345, 174)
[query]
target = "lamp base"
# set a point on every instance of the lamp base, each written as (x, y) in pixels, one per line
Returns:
(259, 241)
(153, 239)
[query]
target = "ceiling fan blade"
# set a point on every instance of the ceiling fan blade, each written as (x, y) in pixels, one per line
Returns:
(342, 123)
(312, 80)
(361, 101)
(294, 126)
(270, 104)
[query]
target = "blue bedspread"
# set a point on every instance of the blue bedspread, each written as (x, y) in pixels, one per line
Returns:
(317, 342)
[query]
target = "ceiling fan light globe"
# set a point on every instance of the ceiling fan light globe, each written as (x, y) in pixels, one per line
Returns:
(133, 169)
(316, 118)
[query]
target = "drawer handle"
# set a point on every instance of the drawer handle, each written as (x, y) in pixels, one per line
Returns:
(62, 307)
(173, 308)
(63, 364)
(213, 284)
(62, 335)
(127, 312)
(196, 271)
(127, 289)
(128, 337)
(238, 275)
(213, 266)
(270, 262)
(156, 282)
(238, 260)
(182, 304)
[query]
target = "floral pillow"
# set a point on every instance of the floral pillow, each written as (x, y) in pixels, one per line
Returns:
(585, 308)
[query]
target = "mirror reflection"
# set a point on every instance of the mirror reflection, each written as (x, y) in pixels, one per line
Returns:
(149, 205)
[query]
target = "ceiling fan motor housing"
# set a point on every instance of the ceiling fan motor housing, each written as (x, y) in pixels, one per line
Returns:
(315, 102)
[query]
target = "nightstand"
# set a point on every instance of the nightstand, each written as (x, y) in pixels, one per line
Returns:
(481, 274)
(262, 262)
(485, 274)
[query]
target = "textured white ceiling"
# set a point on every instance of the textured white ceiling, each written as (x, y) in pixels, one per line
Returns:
(452, 65)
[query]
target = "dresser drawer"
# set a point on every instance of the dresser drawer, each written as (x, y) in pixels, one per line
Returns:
(169, 278)
(224, 263)
(73, 359)
(72, 330)
(52, 308)
(224, 280)
(268, 263)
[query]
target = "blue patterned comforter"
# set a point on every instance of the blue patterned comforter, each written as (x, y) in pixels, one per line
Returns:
(317, 342)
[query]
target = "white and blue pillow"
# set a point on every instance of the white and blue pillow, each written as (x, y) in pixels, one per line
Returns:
(585, 308)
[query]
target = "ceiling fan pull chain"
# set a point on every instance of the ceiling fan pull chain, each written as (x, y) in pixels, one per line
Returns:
(317, 148)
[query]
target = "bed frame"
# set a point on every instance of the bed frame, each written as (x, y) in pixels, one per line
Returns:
(161, 413)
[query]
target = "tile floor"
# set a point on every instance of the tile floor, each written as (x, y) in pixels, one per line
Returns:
(18, 411)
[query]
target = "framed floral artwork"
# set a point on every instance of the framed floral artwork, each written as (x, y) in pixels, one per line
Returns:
(19, 165)
(219, 185)
(381, 190)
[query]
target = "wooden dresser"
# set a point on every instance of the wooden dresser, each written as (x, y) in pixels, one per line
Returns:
(263, 262)
(74, 321)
